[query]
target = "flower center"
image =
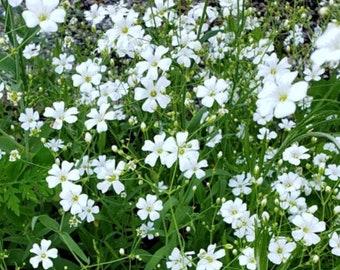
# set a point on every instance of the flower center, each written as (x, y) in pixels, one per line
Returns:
(112, 178)
(153, 93)
(283, 97)
(125, 30)
(87, 79)
(75, 198)
(209, 259)
(148, 209)
(43, 256)
(63, 178)
(181, 151)
(42, 17)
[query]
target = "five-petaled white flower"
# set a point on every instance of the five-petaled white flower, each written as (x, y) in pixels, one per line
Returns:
(43, 254)
(280, 96)
(179, 260)
(149, 207)
(97, 118)
(111, 173)
(154, 93)
(213, 90)
(153, 61)
(280, 250)
(88, 210)
(294, 154)
(308, 225)
(247, 258)
(63, 175)
(63, 62)
(156, 149)
(72, 199)
(44, 13)
(209, 259)
(29, 119)
(60, 115)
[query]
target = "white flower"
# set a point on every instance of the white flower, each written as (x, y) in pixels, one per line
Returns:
(146, 230)
(43, 254)
(62, 175)
(179, 260)
(265, 133)
(60, 115)
(96, 14)
(153, 61)
(217, 138)
(288, 183)
(209, 259)
(313, 74)
(192, 166)
(14, 155)
(156, 149)
(149, 207)
(72, 199)
(180, 149)
(280, 250)
(232, 210)
(334, 243)
(294, 153)
(97, 118)
(154, 16)
(63, 62)
(328, 49)
(286, 124)
(43, 13)
(88, 210)
(111, 173)
(333, 172)
(247, 258)
(213, 90)
(85, 166)
(31, 50)
(87, 77)
(154, 93)
(55, 144)
(271, 67)
(308, 226)
(280, 96)
(240, 184)
(29, 119)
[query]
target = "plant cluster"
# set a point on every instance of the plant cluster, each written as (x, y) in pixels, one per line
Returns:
(176, 136)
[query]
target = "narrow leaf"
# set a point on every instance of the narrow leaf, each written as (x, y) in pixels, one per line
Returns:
(73, 247)
(49, 223)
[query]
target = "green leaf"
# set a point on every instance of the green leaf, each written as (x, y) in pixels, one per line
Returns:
(155, 259)
(73, 247)
(7, 63)
(195, 121)
(47, 222)
(8, 144)
(13, 202)
(209, 35)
